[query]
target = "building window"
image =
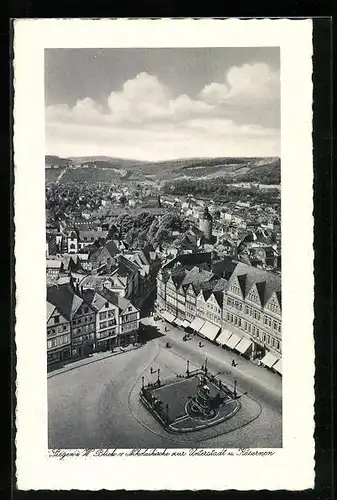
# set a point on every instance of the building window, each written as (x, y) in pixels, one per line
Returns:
(64, 328)
(256, 315)
(102, 315)
(268, 339)
(86, 309)
(56, 319)
(107, 304)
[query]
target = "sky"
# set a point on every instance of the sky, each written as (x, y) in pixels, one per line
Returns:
(165, 103)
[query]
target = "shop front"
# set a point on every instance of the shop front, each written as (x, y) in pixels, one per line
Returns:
(128, 338)
(83, 350)
(106, 344)
(58, 355)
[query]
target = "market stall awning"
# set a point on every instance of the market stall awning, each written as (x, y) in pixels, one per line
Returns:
(178, 321)
(186, 324)
(278, 366)
(224, 335)
(244, 345)
(269, 360)
(168, 316)
(232, 341)
(197, 324)
(209, 330)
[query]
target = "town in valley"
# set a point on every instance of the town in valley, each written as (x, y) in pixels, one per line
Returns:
(163, 303)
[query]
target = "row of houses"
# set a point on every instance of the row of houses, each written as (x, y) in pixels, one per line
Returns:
(227, 301)
(80, 321)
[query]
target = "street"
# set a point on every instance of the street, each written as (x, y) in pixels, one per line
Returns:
(97, 405)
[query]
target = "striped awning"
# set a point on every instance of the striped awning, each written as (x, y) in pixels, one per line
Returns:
(197, 324)
(278, 366)
(243, 346)
(269, 360)
(233, 341)
(224, 335)
(209, 330)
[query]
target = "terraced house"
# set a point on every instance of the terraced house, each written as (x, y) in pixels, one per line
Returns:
(234, 304)
(129, 317)
(253, 309)
(107, 314)
(58, 333)
(80, 314)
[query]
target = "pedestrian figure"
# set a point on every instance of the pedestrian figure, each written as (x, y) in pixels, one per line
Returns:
(233, 362)
(199, 344)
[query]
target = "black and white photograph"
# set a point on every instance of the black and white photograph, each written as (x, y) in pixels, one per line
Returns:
(163, 254)
(163, 248)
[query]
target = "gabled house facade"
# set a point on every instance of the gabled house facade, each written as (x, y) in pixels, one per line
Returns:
(58, 335)
(107, 316)
(247, 309)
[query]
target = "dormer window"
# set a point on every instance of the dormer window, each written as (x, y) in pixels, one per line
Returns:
(107, 304)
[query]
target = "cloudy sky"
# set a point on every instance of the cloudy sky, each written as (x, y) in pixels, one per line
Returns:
(157, 104)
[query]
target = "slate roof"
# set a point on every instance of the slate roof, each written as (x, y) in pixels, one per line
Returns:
(266, 283)
(190, 260)
(64, 299)
(111, 248)
(113, 297)
(88, 235)
(50, 309)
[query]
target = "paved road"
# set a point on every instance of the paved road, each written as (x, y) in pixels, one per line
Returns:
(97, 405)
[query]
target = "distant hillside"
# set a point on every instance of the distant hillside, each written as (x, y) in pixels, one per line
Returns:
(105, 161)
(262, 170)
(56, 160)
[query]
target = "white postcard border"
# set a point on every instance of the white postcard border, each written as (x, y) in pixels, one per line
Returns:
(291, 467)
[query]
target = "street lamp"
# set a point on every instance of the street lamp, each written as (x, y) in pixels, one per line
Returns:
(158, 371)
(206, 366)
(235, 394)
(143, 382)
(188, 369)
(151, 370)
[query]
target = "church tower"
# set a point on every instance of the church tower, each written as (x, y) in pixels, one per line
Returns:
(206, 224)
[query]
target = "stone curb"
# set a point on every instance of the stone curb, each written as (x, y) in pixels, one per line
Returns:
(92, 360)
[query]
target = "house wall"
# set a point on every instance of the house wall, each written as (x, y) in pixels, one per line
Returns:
(72, 245)
(107, 326)
(58, 338)
(129, 326)
(245, 316)
(83, 327)
(261, 325)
